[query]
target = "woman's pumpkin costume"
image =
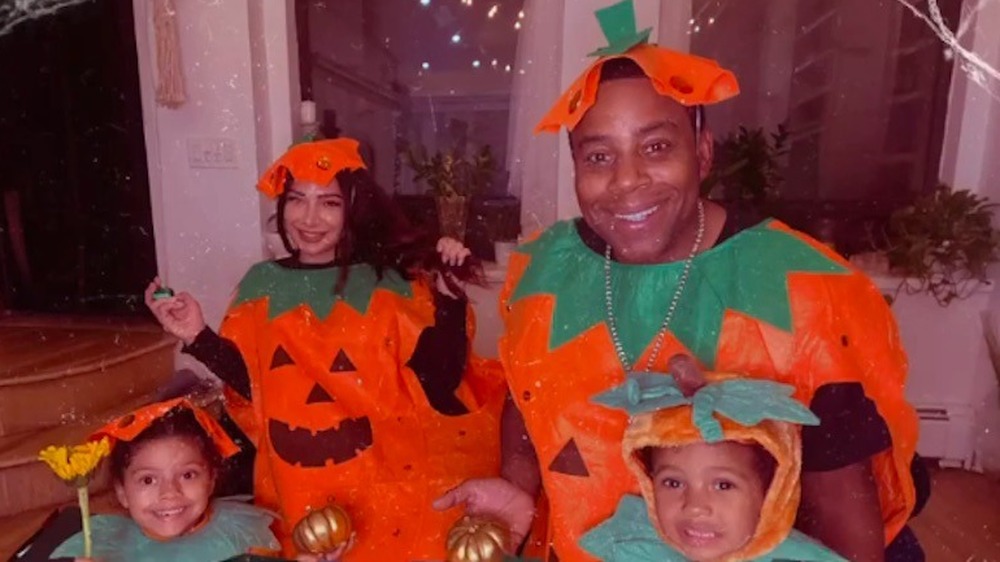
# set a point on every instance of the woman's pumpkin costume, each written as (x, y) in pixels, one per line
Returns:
(230, 526)
(727, 409)
(768, 301)
(334, 401)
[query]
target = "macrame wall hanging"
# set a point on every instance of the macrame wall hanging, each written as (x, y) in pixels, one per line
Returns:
(170, 86)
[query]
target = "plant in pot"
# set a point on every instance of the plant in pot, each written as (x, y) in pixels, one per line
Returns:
(943, 244)
(452, 179)
(747, 167)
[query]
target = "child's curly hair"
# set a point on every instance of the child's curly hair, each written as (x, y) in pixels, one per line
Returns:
(179, 422)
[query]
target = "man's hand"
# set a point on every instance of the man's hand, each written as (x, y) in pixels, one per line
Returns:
(495, 498)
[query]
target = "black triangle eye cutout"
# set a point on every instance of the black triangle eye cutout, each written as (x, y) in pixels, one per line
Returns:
(342, 363)
(569, 461)
(319, 394)
(281, 358)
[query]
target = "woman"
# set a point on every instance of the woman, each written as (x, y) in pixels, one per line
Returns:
(346, 365)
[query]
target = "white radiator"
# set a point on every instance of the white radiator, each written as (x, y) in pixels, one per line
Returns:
(947, 433)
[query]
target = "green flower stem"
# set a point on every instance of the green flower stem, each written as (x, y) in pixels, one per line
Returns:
(84, 497)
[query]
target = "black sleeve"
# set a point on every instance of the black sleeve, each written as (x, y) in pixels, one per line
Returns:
(62, 525)
(223, 358)
(850, 430)
(440, 355)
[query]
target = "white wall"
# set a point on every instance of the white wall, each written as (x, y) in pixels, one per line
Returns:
(207, 222)
(969, 161)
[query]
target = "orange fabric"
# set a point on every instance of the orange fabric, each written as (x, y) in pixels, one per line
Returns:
(553, 388)
(317, 162)
(415, 454)
(688, 79)
(129, 426)
(673, 427)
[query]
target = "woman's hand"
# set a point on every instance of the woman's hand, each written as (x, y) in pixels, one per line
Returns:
(453, 253)
(179, 315)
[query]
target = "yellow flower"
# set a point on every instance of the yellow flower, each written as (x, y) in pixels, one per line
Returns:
(58, 461)
(77, 463)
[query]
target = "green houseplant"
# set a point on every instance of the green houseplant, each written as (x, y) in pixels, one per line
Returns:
(943, 243)
(748, 166)
(452, 179)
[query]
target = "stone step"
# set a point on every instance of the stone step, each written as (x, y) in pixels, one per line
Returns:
(55, 370)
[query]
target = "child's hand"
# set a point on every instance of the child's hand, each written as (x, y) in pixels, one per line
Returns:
(179, 315)
(453, 253)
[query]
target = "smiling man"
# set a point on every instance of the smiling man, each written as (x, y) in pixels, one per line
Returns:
(653, 271)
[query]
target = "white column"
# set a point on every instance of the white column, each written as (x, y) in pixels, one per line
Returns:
(207, 218)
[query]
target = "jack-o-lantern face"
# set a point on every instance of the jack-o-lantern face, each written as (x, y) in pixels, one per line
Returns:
(312, 448)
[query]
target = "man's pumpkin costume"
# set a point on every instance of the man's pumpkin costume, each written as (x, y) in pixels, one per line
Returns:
(768, 302)
(729, 408)
(336, 411)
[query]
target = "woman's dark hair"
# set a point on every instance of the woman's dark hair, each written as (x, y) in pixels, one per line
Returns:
(179, 422)
(376, 232)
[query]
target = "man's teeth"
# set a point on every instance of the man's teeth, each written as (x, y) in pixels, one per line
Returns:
(636, 217)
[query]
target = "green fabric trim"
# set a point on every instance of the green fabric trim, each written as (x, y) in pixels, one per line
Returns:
(747, 273)
(744, 401)
(629, 536)
(235, 528)
(287, 288)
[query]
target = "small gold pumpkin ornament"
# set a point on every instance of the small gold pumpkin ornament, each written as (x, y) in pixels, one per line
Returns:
(322, 530)
(476, 539)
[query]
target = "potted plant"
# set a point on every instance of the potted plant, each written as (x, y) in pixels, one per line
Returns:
(943, 244)
(748, 166)
(452, 179)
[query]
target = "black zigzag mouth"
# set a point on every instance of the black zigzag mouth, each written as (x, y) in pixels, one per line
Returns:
(300, 447)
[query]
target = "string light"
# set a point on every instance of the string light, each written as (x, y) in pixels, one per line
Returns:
(517, 25)
(493, 11)
(425, 2)
(425, 66)
(520, 15)
(506, 68)
(475, 63)
(456, 38)
(494, 63)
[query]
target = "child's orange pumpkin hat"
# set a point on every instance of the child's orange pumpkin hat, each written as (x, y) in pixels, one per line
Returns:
(727, 408)
(687, 79)
(129, 426)
(316, 162)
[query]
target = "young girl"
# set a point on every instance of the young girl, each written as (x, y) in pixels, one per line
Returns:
(347, 363)
(718, 467)
(164, 464)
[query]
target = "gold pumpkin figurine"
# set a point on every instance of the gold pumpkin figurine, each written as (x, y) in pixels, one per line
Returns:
(322, 530)
(476, 539)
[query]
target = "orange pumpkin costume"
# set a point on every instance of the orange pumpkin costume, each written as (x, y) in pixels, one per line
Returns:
(794, 312)
(336, 411)
(768, 302)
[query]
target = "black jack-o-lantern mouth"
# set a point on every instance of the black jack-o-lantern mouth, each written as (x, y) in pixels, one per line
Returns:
(337, 444)
(315, 448)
